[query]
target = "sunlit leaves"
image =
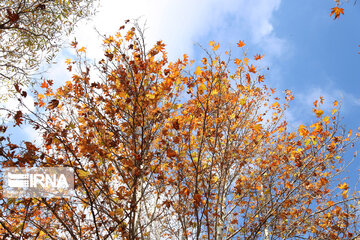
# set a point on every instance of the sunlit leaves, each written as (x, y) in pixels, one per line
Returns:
(241, 44)
(81, 50)
(258, 57)
(198, 70)
(185, 149)
(337, 11)
(252, 69)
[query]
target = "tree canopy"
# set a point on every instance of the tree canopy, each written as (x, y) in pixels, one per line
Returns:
(179, 150)
(31, 31)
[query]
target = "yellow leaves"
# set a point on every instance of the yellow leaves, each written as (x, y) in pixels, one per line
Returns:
(214, 45)
(336, 103)
(243, 101)
(299, 150)
(318, 127)
(256, 127)
(241, 44)
(319, 112)
(326, 120)
(202, 87)
(198, 71)
(150, 96)
(175, 135)
(83, 173)
(246, 61)
(275, 105)
(68, 61)
(336, 11)
(344, 187)
(109, 40)
(81, 50)
(40, 96)
(118, 35)
(214, 92)
(303, 131)
(178, 81)
(118, 212)
(333, 111)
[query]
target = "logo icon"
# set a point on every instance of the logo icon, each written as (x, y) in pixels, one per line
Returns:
(38, 182)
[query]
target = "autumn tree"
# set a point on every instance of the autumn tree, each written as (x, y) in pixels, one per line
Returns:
(31, 31)
(175, 150)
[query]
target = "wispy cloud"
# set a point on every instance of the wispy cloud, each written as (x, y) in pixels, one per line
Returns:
(182, 23)
(179, 24)
(300, 112)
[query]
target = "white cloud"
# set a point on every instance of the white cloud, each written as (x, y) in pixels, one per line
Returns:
(301, 110)
(181, 23)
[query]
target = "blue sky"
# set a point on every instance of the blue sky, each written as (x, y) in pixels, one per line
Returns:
(305, 49)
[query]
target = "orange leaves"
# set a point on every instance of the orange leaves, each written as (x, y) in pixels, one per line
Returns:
(344, 186)
(214, 45)
(261, 78)
(319, 113)
(258, 57)
(241, 44)
(303, 131)
(135, 129)
(289, 95)
(40, 96)
(160, 46)
(336, 11)
(81, 50)
(237, 61)
(130, 34)
(109, 40)
(246, 60)
(252, 69)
